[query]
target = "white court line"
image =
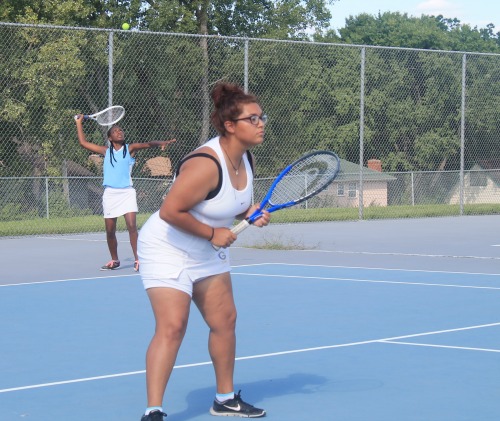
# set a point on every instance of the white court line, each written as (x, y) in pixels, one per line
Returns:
(253, 357)
(305, 277)
(89, 240)
(379, 253)
(94, 278)
(441, 346)
(67, 280)
(374, 253)
(413, 254)
(371, 281)
(373, 268)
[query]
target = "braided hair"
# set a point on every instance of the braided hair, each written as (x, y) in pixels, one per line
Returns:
(112, 149)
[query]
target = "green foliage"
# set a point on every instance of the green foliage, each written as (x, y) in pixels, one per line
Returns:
(311, 92)
(263, 18)
(396, 29)
(39, 226)
(14, 212)
(81, 224)
(60, 208)
(433, 146)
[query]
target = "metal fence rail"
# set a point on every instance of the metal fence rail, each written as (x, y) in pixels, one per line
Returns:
(428, 119)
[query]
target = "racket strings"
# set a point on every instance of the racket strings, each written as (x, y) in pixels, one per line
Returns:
(306, 178)
(110, 116)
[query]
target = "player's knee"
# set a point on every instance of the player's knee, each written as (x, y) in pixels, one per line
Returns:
(227, 322)
(174, 332)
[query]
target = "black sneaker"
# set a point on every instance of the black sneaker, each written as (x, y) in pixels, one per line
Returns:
(154, 416)
(236, 408)
(111, 265)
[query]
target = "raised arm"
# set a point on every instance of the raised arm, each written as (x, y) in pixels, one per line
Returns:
(134, 147)
(83, 140)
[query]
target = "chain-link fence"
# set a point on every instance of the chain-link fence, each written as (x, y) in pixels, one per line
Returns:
(414, 128)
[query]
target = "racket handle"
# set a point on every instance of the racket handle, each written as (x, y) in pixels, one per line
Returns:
(236, 230)
(243, 225)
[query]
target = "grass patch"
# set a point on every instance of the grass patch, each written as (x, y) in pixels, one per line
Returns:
(95, 223)
(279, 242)
(53, 226)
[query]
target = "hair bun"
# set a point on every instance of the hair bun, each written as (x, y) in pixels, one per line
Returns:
(224, 92)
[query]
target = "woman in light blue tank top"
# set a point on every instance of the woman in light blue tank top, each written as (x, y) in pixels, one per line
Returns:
(119, 196)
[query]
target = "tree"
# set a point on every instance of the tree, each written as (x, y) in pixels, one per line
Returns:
(292, 19)
(394, 29)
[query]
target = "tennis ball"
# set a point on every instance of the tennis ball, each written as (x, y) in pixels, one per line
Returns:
(125, 26)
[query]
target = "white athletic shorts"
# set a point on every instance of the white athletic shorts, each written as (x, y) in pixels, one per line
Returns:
(118, 202)
(171, 258)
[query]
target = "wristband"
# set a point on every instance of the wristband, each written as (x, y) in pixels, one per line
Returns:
(212, 236)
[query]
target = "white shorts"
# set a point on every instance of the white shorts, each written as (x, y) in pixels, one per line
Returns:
(173, 259)
(118, 202)
(182, 283)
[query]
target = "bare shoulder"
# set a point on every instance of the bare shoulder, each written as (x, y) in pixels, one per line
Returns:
(203, 150)
(198, 159)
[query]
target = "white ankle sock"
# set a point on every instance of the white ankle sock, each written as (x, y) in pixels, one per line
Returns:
(153, 408)
(223, 397)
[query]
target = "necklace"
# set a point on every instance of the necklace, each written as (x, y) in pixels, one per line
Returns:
(236, 169)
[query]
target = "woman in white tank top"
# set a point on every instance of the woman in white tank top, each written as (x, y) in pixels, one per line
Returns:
(213, 186)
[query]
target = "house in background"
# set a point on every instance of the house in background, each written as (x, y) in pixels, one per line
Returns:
(346, 185)
(481, 184)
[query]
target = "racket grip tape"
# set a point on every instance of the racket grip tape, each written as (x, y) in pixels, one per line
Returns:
(240, 227)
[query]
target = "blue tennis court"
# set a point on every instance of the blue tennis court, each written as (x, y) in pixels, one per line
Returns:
(361, 322)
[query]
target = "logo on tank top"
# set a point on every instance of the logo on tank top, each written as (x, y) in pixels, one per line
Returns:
(222, 255)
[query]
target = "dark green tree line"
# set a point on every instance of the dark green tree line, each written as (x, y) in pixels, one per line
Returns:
(311, 92)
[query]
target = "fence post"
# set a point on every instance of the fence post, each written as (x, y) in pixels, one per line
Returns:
(412, 189)
(47, 197)
(110, 69)
(462, 136)
(245, 76)
(361, 129)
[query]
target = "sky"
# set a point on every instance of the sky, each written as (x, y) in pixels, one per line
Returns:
(472, 12)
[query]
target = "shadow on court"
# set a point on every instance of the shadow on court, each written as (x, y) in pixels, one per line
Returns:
(198, 401)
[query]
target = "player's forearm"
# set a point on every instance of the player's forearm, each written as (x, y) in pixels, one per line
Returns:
(81, 135)
(144, 145)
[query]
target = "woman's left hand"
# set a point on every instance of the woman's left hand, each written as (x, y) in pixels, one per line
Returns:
(263, 220)
(164, 143)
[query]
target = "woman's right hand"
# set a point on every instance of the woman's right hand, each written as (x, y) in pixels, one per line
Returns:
(223, 237)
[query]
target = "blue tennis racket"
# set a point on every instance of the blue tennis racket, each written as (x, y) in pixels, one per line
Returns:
(298, 182)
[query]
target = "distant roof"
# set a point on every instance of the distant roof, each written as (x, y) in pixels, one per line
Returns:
(493, 169)
(489, 164)
(349, 171)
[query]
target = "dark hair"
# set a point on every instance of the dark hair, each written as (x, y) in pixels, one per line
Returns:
(114, 126)
(111, 148)
(227, 99)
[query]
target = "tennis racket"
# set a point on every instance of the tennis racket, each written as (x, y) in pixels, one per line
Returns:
(107, 117)
(298, 182)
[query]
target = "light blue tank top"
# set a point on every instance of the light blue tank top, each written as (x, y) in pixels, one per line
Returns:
(118, 174)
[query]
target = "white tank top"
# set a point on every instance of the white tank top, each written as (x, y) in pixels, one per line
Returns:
(157, 236)
(229, 202)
